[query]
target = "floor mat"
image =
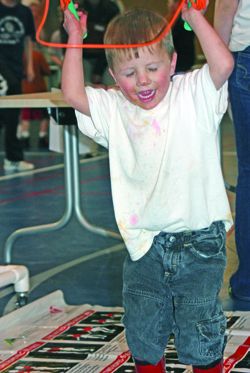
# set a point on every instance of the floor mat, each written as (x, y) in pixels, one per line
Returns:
(49, 335)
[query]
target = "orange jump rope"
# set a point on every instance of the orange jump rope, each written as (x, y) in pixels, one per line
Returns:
(197, 4)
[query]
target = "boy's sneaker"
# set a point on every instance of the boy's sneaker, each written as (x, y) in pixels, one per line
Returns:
(17, 165)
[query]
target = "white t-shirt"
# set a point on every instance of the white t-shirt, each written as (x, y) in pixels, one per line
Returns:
(240, 37)
(164, 162)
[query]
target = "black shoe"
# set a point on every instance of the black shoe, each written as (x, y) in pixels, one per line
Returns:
(43, 143)
(25, 141)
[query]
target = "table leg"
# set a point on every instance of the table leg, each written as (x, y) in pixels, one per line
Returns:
(77, 192)
(45, 228)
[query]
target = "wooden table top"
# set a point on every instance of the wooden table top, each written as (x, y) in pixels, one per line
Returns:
(33, 100)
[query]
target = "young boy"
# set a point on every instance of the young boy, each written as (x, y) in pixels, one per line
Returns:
(168, 191)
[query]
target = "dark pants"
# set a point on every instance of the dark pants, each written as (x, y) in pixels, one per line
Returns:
(239, 91)
(9, 118)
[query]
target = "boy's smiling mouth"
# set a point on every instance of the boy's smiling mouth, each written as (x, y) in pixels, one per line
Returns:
(147, 95)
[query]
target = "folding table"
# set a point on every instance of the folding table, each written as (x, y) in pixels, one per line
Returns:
(54, 100)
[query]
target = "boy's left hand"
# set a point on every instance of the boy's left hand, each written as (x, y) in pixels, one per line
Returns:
(188, 10)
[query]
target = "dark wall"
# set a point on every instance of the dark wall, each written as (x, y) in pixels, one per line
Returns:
(52, 19)
(158, 5)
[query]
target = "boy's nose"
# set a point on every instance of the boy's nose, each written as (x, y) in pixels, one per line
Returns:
(143, 79)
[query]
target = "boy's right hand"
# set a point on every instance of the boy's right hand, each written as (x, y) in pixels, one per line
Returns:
(74, 28)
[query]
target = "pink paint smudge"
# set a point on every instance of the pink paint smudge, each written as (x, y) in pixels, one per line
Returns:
(133, 219)
(156, 127)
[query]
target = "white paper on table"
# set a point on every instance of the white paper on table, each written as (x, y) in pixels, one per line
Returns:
(86, 145)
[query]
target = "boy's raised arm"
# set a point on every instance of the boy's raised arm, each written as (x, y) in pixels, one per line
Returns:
(72, 71)
(218, 56)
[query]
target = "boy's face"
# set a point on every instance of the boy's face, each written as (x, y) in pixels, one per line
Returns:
(144, 80)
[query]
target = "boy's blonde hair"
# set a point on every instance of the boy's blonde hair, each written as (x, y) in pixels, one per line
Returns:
(134, 27)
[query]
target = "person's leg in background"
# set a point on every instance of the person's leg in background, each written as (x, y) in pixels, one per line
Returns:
(43, 142)
(23, 132)
(13, 147)
(239, 92)
(28, 115)
(14, 158)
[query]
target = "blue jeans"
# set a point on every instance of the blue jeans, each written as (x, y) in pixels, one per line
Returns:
(239, 91)
(173, 289)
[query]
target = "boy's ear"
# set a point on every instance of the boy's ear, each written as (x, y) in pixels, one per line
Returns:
(112, 74)
(173, 64)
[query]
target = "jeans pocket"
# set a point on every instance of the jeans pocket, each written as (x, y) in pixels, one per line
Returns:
(209, 246)
(243, 71)
(212, 336)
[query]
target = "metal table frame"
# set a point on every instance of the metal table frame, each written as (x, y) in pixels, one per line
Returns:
(71, 173)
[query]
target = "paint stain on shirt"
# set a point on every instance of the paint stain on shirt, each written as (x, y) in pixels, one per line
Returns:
(156, 127)
(133, 219)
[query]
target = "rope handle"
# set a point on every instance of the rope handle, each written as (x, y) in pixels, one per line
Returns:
(70, 5)
(198, 5)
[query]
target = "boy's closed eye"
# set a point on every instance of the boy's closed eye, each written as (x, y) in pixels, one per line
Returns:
(128, 73)
(152, 68)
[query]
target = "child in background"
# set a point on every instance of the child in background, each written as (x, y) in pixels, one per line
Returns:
(168, 191)
(38, 84)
